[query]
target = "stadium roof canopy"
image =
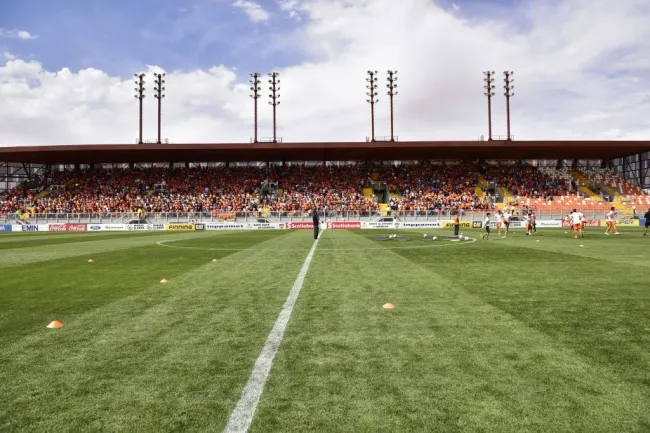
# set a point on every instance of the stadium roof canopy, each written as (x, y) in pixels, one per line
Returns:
(334, 151)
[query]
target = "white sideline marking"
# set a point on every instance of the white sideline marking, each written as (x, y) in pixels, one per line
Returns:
(242, 416)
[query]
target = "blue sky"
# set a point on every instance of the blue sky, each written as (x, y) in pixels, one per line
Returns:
(121, 36)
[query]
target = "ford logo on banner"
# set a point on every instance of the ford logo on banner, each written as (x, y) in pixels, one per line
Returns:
(95, 227)
(5, 227)
(30, 228)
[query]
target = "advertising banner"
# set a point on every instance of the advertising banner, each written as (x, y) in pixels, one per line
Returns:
(136, 227)
(199, 227)
(107, 227)
(632, 223)
(516, 224)
(5, 228)
(224, 226)
(180, 227)
(549, 223)
(422, 225)
(302, 225)
(76, 227)
(588, 223)
(30, 228)
(344, 225)
(155, 227)
(477, 224)
(57, 227)
(378, 225)
(462, 225)
(264, 226)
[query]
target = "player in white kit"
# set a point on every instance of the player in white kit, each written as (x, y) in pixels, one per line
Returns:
(610, 219)
(499, 218)
(577, 221)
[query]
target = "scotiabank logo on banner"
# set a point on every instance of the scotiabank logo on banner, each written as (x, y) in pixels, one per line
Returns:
(77, 227)
(301, 226)
(57, 227)
(588, 223)
(343, 225)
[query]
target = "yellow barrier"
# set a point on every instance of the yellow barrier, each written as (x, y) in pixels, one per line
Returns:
(178, 227)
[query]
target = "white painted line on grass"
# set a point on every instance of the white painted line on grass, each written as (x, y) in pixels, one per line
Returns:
(242, 417)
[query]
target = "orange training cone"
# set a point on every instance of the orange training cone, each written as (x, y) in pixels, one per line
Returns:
(389, 306)
(55, 324)
(164, 280)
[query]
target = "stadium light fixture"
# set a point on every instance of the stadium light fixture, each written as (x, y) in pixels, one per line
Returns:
(372, 100)
(159, 89)
(489, 92)
(274, 81)
(139, 94)
(508, 80)
(392, 85)
(255, 88)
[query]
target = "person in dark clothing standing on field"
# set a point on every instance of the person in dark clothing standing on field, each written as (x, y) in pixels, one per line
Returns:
(647, 222)
(456, 224)
(316, 220)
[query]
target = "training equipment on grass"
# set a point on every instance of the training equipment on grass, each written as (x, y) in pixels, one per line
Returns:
(214, 260)
(55, 324)
(389, 306)
(396, 238)
(164, 280)
(90, 260)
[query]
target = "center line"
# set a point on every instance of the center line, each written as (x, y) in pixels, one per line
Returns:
(242, 417)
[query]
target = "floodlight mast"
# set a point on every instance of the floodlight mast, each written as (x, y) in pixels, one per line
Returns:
(508, 80)
(489, 92)
(274, 81)
(139, 94)
(392, 85)
(255, 88)
(159, 89)
(372, 94)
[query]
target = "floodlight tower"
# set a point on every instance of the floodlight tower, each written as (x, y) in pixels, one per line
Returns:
(392, 85)
(139, 94)
(274, 81)
(489, 92)
(255, 83)
(159, 89)
(508, 94)
(372, 94)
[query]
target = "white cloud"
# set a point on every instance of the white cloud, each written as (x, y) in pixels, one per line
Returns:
(582, 71)
(17, 34)
(255, 12)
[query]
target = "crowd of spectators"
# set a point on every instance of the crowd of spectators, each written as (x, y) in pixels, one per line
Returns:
(286, 188)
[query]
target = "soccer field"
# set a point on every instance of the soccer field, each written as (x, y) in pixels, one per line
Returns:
(543, 333)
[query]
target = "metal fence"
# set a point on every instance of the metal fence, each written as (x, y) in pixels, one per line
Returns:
(206, 217)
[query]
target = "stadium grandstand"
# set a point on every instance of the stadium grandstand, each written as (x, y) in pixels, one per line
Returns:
(284, 181)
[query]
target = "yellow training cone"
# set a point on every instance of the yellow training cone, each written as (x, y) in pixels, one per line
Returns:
(214, 260)
(164, 280)
(90, 260)
(389, 306)
(55, 324)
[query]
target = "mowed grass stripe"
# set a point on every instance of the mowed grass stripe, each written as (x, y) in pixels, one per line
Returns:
(20, 240)
(171, 358)
(444, 360)
(67, 287)
(38, 253)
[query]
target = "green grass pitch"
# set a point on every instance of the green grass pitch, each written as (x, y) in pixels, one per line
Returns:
(508, 335)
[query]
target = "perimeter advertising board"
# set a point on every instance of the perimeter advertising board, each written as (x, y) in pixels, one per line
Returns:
(422, 225)
(344, 225)
(180, 227)
(224, 226)
(301, 225)
(588, 223)
(5, 228)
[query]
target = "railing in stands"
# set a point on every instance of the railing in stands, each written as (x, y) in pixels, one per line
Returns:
(180, 217)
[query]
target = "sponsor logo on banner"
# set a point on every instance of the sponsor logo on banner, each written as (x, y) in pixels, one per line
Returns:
(263, 226)
(477, 224)
(462, 225)
(422, 225)
(344, 225)
(627, 224)
(5, 228)
(132, 227)
(178, 227)
(556, 223)
(57, 227)
(114, 227)
(588, 223)
(77, 227)
(155, 226)
(29, 228)
(224, 226)
(95, 227)
(199, 227)
(373, 225)
(516, 224)
(301, 226)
